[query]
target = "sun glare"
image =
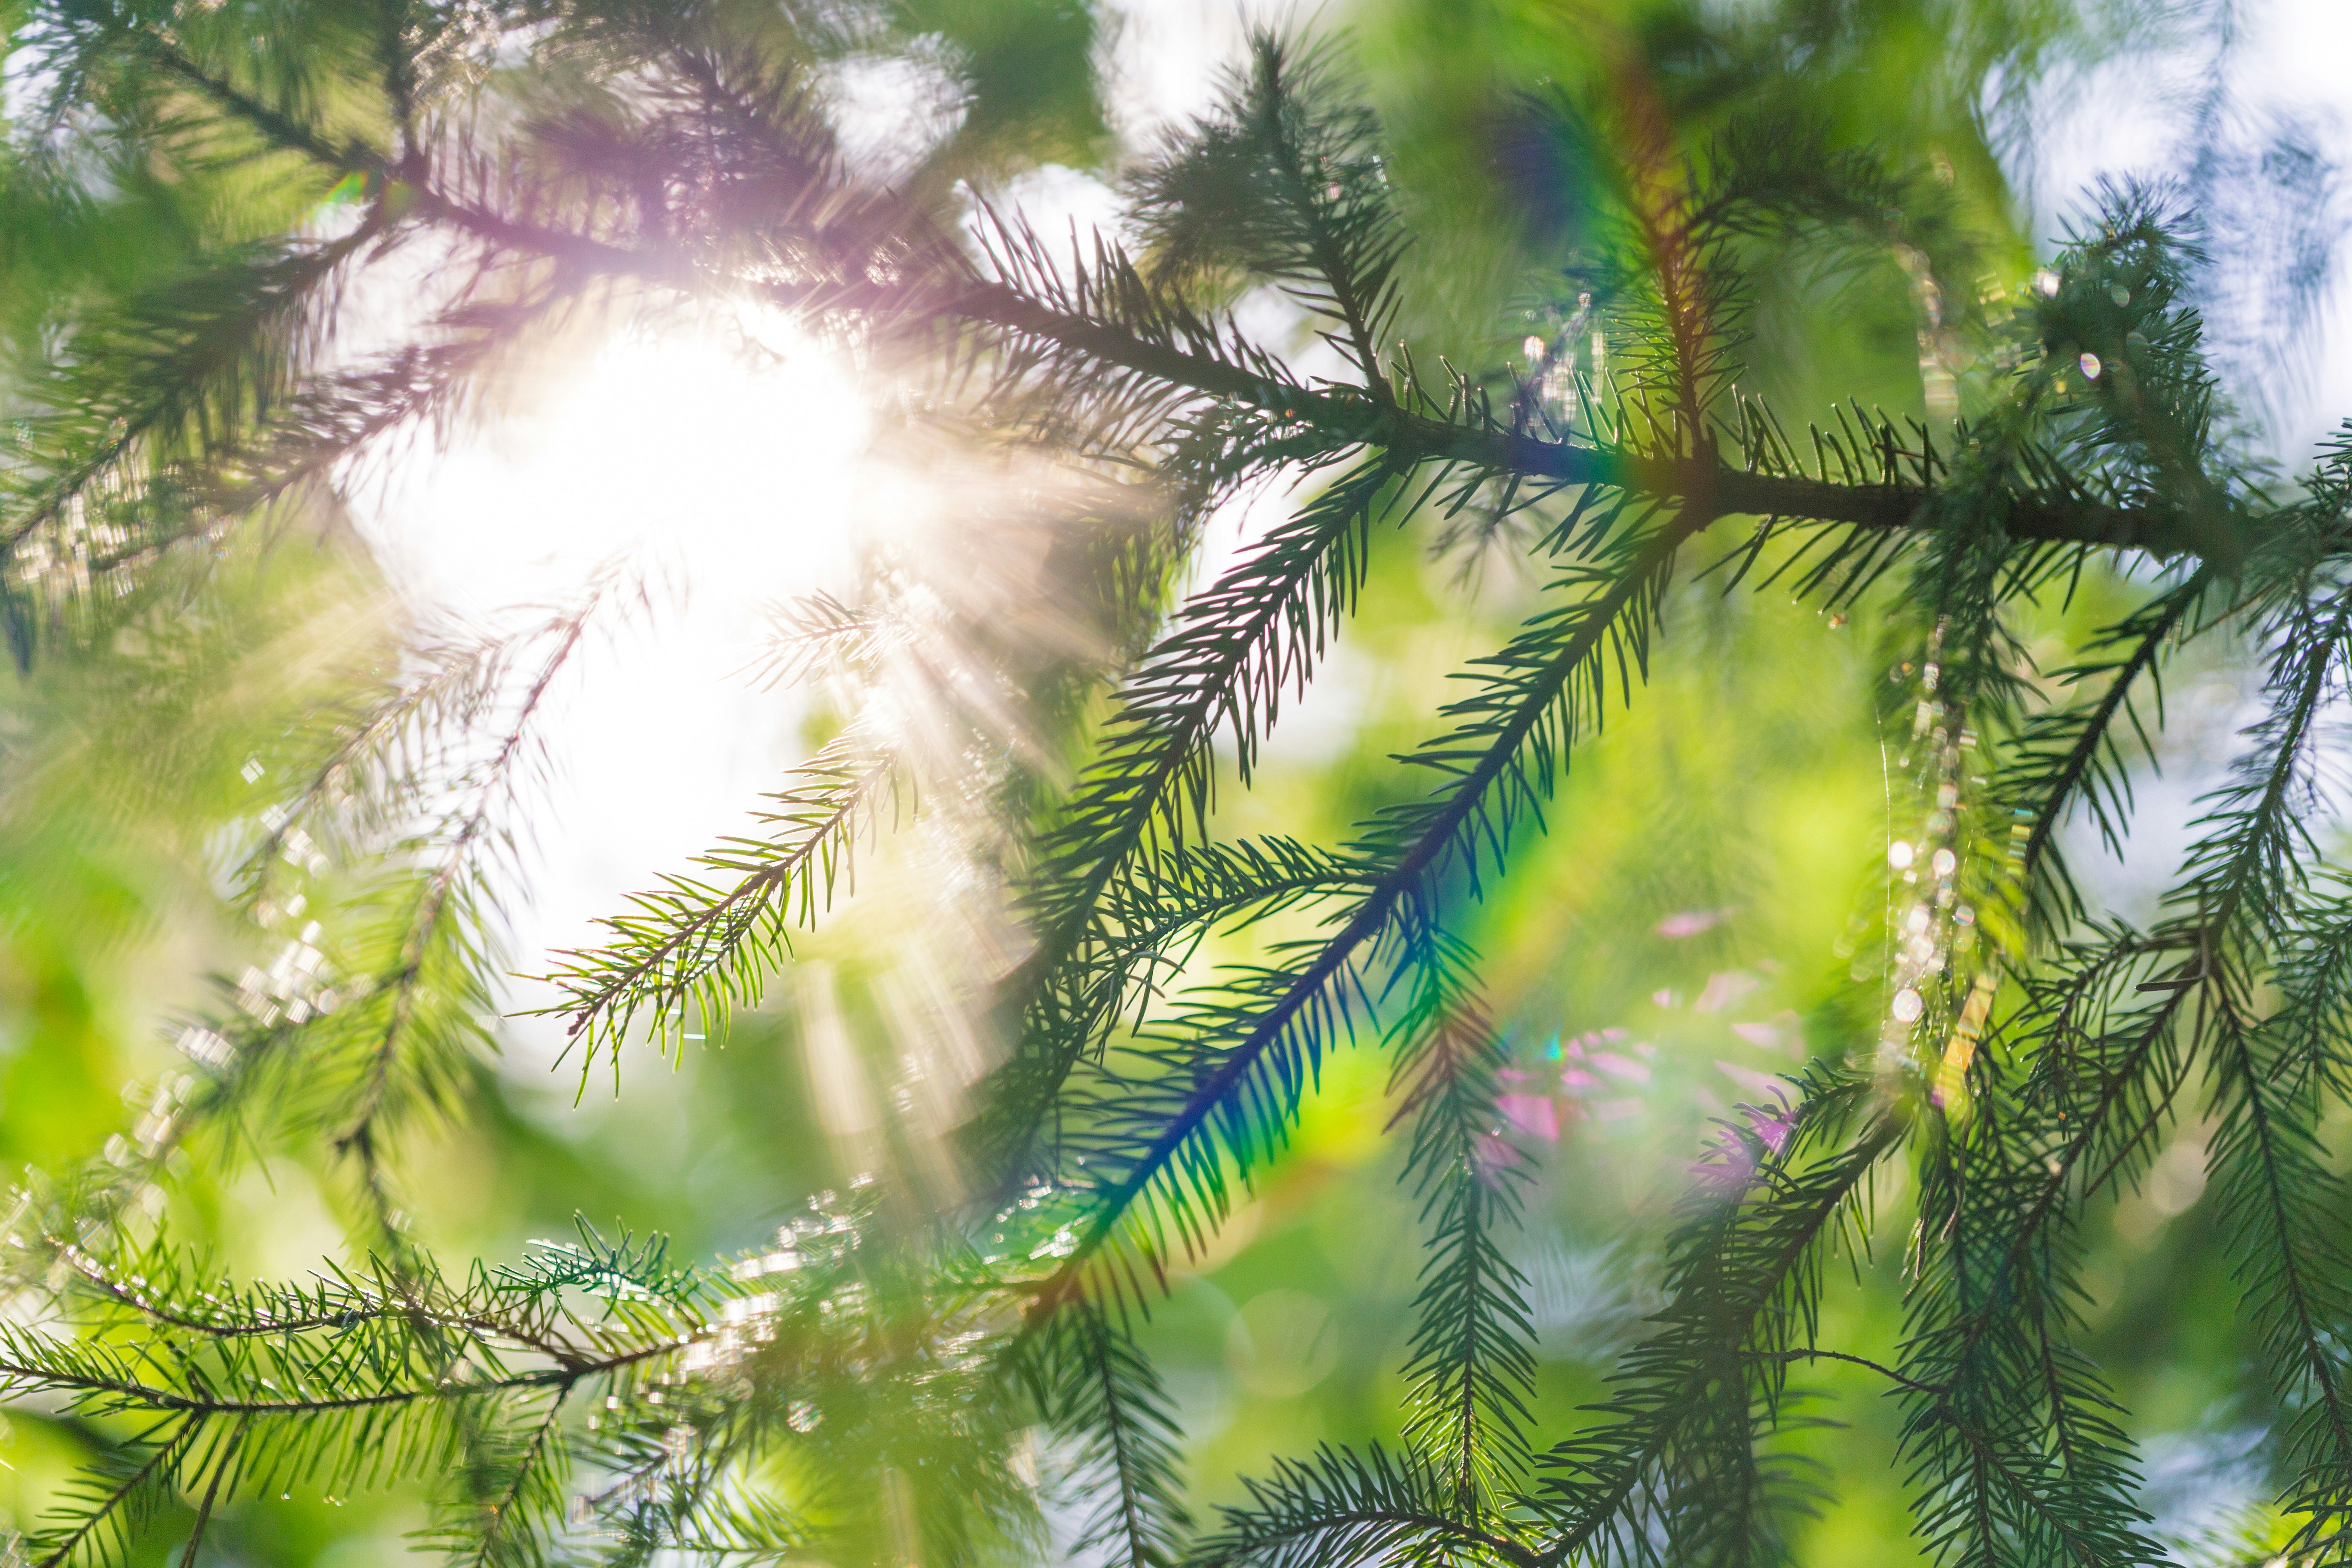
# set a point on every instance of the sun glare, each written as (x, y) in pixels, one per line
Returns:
(730, 479)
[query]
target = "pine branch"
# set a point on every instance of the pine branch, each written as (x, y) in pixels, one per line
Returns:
(1282, 180)
(2075, 755)
(95, 1381)
(183, 367)
(1346, 1506)
(1473, 1364)
(1248, 1049)
(1235, 649)
(1975, 1334)
(1151, 919)
(1193, 889)
(2277, 1199)
(1343, 417)
(1491, 446)
(2013, 1449)
(2275, 1184)
(120, 1510)
(274, 125)
(444, 896)
(941, 287)
(500, 1531)
(338, 1301)
(1745, 1269)
(1100, 1391)
(695, 951)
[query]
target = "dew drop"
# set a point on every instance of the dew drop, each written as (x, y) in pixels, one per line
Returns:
(1945, 861)
(1900, 855)
(2119, 294)
(2091, 366)
(2047, 282)
(1907, 1006)
(1533, 348)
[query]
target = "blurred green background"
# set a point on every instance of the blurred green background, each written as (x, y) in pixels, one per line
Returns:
(1680, 937)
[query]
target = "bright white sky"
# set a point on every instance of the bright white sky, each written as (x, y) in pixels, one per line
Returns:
(741, 487)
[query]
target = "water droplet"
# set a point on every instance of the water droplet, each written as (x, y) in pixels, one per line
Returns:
(1945, 861)
(1900, 855)
(2119, 294)
(1533, 348)
(1907, 1006)
(2091, 367)
(2047, 282)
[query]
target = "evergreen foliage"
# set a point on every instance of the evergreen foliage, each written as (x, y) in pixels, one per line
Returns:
(909, 1369)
